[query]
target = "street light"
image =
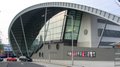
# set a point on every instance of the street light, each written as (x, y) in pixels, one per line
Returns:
(72, 37)
(45, 16)
(49, 46)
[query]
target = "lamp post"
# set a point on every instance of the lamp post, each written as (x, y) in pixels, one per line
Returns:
(71, 37)
(49, 47)
(45, 20)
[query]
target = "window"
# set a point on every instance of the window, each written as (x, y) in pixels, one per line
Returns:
(105, 43)
(76, 25)
(68, 36)
(109, 33)
(53, 27)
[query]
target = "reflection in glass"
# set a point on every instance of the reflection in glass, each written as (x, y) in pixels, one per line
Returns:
(76, 25)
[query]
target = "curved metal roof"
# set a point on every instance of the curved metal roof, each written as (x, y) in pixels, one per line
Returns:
(33, 20)
(110, 6)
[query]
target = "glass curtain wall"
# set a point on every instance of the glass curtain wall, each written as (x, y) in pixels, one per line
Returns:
(54, 27)
(77, 15)
(109, 33)
(54, 30)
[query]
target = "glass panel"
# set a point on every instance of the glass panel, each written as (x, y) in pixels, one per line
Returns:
(69, 29)
(76, 29)
(67, 35)
(105, 43)
(76, 24)
(75, 36)
(69, 22)
(109, 33)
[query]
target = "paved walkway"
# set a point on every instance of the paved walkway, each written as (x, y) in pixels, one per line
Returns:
(49, 64)
(66, 63)
(19, 64)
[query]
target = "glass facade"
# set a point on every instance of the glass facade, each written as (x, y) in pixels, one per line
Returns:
(58, 28)
(109, 33)
(76, 24)
(52, 30)
(54, 27)
(105, 43)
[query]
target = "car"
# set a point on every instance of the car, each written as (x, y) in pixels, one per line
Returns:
(23, 58)
(1, 59)
(29, 59)
(11, 59)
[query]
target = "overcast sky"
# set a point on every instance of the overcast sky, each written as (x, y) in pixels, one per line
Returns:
(9, 8)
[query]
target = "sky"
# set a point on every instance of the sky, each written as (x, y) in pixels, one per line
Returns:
(10, 8)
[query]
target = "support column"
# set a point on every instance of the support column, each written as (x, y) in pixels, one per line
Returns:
(16, 43)
(101, 36)
(24, 35)
(45, 16)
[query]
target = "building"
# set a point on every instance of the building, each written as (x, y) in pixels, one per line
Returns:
(5, 50)
(1, 49)
(48, 31)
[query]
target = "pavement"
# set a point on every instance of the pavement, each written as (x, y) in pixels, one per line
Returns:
(52, 64)
(49, 64)
(19, 64)
(58, 63)
(67, 63)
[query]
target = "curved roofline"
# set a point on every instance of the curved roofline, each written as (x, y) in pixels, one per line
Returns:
(94, 11)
